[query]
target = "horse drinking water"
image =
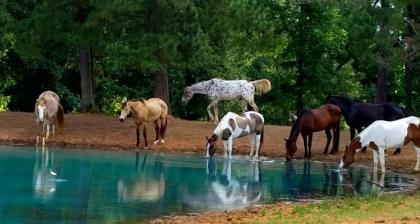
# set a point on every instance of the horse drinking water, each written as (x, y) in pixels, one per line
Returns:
(232, 126)
(144, 111)
(48, 112)
(359, 115)
(219, 89)
(324, 118)
(385, 134)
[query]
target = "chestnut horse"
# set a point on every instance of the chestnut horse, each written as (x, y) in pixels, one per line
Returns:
(144, 111)
(324, 118)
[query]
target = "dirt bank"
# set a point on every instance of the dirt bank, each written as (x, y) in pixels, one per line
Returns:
(107, 133)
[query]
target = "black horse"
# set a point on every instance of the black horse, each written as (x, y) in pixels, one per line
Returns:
(359, 115)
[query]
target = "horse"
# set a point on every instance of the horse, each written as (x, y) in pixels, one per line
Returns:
(232, 126)
(324, 118)
(359, 115)
(219, 89)
(144, 111)
(48, 112)
(384, 134)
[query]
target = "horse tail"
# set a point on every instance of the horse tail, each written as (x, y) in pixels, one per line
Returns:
(60, 116)
(262, 86)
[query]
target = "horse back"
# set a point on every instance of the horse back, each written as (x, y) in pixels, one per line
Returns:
(157, 108)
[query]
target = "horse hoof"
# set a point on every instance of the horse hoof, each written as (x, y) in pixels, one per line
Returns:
(162, 141)
(146, 148)
(156, 142)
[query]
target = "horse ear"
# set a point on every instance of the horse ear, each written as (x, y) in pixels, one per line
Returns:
(285, 139)
(124, 100)
(207, 138)
(347, 148)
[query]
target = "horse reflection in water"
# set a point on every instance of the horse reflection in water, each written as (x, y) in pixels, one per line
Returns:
(228, 191)
(143, 187)
(300, 184)
(44, 176)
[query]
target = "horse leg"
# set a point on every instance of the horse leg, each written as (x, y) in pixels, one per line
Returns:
(258, 144)
(163, 124)
(137, 137)
(336, 138)
(225, 148)
(251, 138)
(352, 132)
(244, 105)
(375, 159)
(230, 143)
(253, 105)
(145, 136)
(212, 103)
(417, 167)
(382, 159)
(156, 123)
(216, 113)
(305, 144)
(310, 145)
(48, 131)
(328, 133)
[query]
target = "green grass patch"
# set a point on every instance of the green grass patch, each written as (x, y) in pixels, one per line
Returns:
(373, 207)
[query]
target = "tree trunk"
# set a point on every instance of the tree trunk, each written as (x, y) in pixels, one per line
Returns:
(409, 58)
(162, 84)
(86, 77)
(381, 79)
(381, 84)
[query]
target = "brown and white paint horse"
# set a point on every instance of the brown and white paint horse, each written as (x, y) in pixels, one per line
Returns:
(48, 112)
(144, 111)
(385, 134)
(232, 126)
(219, 89)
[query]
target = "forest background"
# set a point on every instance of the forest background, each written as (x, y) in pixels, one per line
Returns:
(94, 53)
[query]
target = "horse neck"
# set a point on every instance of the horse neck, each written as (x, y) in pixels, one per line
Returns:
(296, 128)
(201, 87)
(138, 109)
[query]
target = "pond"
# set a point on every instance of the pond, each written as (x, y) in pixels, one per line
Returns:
(60, 185)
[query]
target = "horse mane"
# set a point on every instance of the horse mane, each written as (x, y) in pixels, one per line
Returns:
(297, 125)
(142, 100)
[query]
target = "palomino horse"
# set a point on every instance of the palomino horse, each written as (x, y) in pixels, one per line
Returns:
(324, 118)
(218, 90)
(48, 112)
(385, 134)
(359, 115)
(144, 111)
(232, 126)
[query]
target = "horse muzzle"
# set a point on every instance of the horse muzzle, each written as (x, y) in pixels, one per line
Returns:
(121, 119)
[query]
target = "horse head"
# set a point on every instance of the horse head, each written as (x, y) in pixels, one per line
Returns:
(188, 94)
(348, 156)
(40, 109)
(291, 148)
(125, 110)
(211, 145)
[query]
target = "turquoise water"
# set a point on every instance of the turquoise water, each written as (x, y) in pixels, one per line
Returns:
(88, 186)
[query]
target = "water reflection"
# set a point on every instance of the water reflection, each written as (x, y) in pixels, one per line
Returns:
(106, 187)
(144, 186)
(228, 190)
(44, 181)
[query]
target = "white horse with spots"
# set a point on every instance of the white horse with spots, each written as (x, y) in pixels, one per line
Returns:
(219, 89)
(385, 134)
(232, 126)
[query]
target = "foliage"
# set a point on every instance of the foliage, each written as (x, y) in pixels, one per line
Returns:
(306, 50)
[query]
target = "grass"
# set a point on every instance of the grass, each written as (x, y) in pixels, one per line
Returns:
(393, 207)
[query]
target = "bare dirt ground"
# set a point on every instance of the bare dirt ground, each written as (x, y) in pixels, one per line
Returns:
(108, 133)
